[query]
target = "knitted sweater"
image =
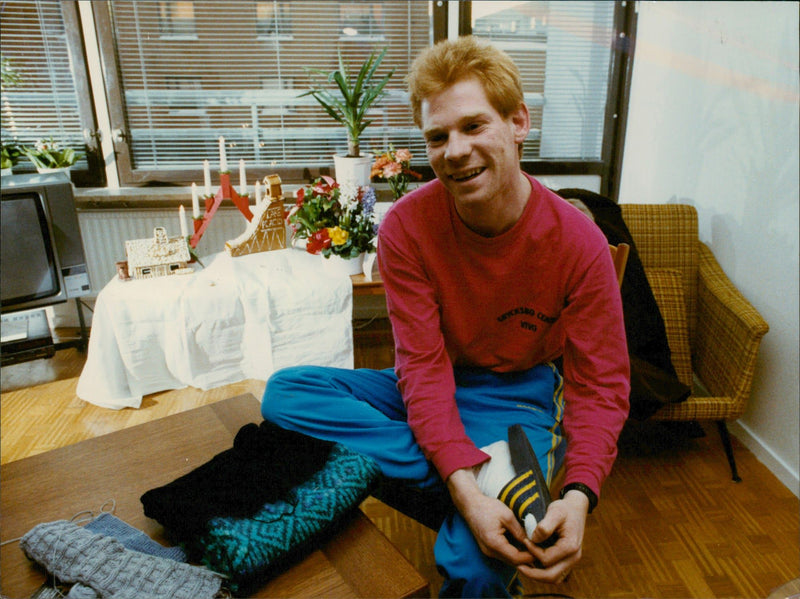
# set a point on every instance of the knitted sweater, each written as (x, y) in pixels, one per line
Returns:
(544, 289)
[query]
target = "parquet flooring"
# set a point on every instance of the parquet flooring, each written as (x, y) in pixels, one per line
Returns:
(670, 523)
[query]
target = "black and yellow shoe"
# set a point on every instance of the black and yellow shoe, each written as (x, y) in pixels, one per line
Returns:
(527, 494)
(513, 476)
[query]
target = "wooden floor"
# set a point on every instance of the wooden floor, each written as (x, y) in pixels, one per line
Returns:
(670, 524)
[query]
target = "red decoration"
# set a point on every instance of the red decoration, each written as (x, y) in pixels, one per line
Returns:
(225, 192)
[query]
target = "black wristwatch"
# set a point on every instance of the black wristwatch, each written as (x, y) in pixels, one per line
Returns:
(583, 489)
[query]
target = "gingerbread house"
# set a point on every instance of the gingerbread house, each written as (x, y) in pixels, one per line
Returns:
(266, 230)
(158, 257)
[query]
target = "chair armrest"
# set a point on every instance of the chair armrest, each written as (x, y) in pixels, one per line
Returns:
(729, 332)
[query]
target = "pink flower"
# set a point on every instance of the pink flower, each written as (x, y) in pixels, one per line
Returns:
(325, 185)
(402, 155)
(391, 170)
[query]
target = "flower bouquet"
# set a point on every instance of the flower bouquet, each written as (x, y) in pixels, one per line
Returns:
(394, 166)
(334, 219)
(49, 154)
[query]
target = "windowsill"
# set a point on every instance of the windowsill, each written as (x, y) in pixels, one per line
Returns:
(154, 198)
(137, 198)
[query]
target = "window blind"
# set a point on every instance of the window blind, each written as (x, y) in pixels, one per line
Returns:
(564, 52)
(44, 101)
(191, 72)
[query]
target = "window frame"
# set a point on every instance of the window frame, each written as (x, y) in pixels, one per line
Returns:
(94, 173)
(607, 168)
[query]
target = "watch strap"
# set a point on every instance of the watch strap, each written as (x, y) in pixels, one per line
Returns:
(583, 489)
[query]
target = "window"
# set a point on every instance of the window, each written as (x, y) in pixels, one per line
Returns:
(179, 75)
(247, 65)
(568, 56)
(176, 20)
(273, 20)
(361, 21)
(183, 96)
(48, 98)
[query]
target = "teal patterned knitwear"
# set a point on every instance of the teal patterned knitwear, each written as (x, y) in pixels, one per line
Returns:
(248, 549)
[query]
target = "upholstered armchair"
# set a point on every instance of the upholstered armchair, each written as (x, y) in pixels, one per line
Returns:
(713, 332)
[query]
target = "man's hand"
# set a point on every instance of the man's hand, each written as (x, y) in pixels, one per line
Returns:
(567, 518)
(490, 520)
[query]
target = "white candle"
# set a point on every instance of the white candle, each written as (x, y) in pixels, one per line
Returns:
(258, 193)
(207, 177)
(242, 178)
(195, 203)
(184, 228)
(223, 159)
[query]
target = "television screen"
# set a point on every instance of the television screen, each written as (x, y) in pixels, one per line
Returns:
(29, 269)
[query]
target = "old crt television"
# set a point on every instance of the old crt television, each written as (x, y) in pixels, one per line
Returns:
(42, 261)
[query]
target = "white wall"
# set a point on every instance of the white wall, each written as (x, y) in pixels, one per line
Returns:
(713, 122)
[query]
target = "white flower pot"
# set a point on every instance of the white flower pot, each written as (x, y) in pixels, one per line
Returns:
(353, 170)
(369, 264)
(343, 266)
(6, 171)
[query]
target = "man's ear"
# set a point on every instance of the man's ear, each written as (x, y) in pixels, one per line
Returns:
(521, 121)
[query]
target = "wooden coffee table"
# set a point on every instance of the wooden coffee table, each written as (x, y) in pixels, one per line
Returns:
(358, 562)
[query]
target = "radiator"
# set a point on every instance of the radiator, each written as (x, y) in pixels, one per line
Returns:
(105, 232)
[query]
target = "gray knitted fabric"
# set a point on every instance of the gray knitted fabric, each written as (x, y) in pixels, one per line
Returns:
(109, 525)
(73, 554)
(81, 591)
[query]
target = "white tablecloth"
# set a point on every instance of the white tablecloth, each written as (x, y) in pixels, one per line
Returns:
(237, 318)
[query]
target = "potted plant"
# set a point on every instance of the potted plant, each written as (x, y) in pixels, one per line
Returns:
(9, 157)
(336, 221)
(49, 155)
(348, 102)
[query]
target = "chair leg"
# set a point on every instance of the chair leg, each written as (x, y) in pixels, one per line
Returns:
(726, 443)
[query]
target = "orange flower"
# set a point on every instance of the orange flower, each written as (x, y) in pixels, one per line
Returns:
(379, 164)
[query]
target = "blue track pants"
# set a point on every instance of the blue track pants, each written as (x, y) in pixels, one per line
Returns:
(363, 410)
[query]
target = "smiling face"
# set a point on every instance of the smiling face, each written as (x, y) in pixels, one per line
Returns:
(474, 152)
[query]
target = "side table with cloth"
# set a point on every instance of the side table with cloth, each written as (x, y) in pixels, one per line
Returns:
(236, 319)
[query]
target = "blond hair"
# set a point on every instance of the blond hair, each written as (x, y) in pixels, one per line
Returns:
(467, 57)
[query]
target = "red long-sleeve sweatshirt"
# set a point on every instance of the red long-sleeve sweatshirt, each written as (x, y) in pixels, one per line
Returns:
(543, 289)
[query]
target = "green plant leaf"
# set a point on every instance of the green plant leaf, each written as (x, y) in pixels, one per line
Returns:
(356, 95)
(344, 88)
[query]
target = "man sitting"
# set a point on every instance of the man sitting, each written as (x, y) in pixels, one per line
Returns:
(489, 279)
